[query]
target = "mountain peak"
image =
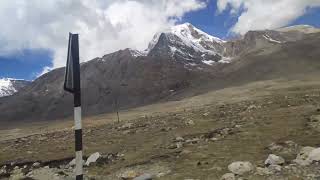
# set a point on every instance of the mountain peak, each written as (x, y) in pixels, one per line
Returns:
(187, 29)
(8, 86)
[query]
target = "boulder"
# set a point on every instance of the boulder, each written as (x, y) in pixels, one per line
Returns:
(228, 176)
(274, 160)
(314, 155)
(302, 157)
(93, 158)
(240, 167)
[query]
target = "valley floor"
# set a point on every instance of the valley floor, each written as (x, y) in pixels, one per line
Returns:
(195, 138)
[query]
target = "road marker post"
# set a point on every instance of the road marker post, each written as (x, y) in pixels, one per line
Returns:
(72, 85)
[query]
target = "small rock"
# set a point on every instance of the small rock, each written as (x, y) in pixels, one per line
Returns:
(274, 160)
(314, 155)
(145, 176)
(214, 139)
(190, 122)
(240, 167)
(225, 131)
(179, 139)
(36, 165)
(179, 145)
(252, 107)
(3, 170)
(93, 158)
(228, 176)
(238, 126)
(206, 114)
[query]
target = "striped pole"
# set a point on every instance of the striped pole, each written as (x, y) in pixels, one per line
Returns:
(72, 84)
(78, 135)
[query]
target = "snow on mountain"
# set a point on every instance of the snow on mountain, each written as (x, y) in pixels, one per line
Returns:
(9, 86)
(191, 36)
(137, 53)
(187, 42)
(266, 36)
(6, 87)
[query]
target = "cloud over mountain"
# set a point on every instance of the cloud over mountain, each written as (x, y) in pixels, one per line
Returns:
(265, 14)
(104, 26)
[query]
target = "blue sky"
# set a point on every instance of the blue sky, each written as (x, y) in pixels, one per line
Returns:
(28, 63)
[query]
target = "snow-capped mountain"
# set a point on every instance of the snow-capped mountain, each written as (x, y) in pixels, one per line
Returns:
(174, 66)
(187, 43)
(9, 86)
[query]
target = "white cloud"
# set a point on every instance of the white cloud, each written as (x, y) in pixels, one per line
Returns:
(265, 14)
(104, 25)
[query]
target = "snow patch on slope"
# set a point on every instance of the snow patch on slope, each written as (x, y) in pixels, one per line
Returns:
(137, 53)
(270, 39)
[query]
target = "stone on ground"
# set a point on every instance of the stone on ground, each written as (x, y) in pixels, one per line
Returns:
(314, 155)
(274, 160)
(302, 157)
(240, 167)
(93, 158)
(228, 176)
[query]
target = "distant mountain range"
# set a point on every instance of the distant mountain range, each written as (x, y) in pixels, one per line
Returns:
(179, 62)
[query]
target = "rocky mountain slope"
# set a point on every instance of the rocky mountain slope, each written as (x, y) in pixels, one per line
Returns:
(179, 62)
(9, 86)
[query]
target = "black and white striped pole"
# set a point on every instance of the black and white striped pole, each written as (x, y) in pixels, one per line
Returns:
(72, 85)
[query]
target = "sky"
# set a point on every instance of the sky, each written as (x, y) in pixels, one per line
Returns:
(34, 33)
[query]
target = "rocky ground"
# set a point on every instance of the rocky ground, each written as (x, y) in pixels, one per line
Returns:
(263, 130)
